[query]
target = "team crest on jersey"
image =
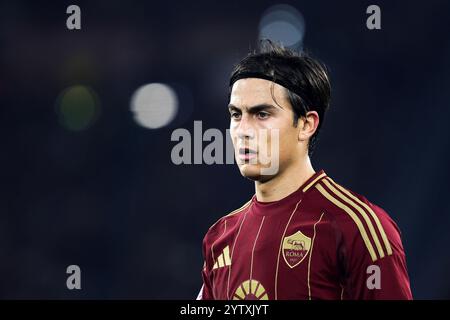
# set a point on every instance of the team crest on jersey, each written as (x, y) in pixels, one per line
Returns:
(295, 248)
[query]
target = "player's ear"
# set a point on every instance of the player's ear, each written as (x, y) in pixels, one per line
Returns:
(308, 125)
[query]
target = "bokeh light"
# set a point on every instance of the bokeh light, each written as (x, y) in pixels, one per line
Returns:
(284, 24)
(78, 107)
(154, 105)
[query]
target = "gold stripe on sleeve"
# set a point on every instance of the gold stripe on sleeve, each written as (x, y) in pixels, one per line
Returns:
(369, 224)
(355, 218)
(372, 213)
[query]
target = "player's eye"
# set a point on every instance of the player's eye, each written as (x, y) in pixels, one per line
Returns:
(263, 115)
(235, 115)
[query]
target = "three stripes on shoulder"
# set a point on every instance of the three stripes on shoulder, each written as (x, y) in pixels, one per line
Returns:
(356, 209)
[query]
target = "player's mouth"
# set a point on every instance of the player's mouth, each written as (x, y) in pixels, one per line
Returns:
(246, 154)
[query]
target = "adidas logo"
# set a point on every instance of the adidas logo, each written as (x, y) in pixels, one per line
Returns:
(224, 259)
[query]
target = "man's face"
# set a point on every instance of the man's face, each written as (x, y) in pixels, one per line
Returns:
(261, 129)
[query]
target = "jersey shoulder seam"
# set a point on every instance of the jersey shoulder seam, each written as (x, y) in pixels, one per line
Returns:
(232, 213)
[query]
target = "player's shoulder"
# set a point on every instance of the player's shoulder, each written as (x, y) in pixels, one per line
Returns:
(226, 221)
(358, 219)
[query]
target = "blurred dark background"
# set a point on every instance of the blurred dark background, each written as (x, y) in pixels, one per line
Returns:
(85, 181)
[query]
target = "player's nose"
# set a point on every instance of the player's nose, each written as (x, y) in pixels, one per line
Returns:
(245, 129)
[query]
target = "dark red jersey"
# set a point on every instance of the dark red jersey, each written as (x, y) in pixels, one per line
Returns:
(321, 242)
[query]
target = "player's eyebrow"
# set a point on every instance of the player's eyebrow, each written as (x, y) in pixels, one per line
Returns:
(253, 109)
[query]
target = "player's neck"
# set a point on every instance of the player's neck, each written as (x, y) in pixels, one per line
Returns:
(285, 182)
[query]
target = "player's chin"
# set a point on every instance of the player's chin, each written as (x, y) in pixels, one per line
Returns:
(252, 171)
